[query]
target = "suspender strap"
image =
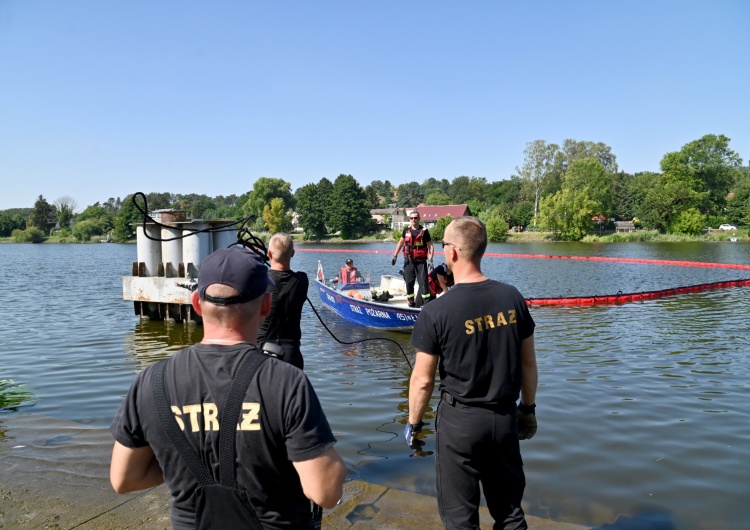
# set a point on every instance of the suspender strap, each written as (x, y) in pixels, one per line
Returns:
(229, 416)
(170, 425)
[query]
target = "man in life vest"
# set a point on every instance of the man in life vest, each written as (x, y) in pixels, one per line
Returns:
(417, 245)
(440, 279)
(348, 274)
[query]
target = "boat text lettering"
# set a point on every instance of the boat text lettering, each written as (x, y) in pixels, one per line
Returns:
(377, 313)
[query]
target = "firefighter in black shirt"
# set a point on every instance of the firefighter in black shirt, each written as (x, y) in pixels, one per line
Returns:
(481, 337)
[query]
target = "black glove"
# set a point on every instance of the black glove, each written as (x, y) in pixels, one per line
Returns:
(410, 433)
(526, 421)
(430, 266)
(393, 261)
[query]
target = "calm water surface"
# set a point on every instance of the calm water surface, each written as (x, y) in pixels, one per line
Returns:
(642, 407)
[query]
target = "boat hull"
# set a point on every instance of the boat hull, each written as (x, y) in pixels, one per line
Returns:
(377, 315)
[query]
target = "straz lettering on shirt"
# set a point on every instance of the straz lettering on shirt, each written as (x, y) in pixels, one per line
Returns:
(488, 322)
(208, 415)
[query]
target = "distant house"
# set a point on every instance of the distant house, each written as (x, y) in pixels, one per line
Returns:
(399, 217)
(430, 214)
(391, 218)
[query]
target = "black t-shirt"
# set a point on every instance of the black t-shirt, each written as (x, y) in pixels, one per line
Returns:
(442, 270)
(283, 323)
(476, 329)
(281, 422)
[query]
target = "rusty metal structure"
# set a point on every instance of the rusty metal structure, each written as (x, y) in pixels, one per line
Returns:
(170, 251)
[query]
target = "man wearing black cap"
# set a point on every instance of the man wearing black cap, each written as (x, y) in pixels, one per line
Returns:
(284, 446)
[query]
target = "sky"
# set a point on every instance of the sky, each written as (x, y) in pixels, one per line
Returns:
(105, 99)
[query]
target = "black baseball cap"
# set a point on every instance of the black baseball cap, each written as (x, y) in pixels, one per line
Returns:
(349, 261)
(235, 267)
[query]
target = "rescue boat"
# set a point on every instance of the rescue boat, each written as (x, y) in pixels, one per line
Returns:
(383, 307)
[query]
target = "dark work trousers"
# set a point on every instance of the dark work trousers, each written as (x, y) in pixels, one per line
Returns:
(416, 271)
(476, 445)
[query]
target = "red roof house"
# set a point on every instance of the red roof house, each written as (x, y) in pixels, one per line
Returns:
(430, 214)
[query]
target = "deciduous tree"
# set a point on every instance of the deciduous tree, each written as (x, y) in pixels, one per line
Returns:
(264, 190)
(276, 218)
(311, 211)
(66, 207)
(538, 168)
(349, 211)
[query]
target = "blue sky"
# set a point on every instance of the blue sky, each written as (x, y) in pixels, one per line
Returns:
(103, 99)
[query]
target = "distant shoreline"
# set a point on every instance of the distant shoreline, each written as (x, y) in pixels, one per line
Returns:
(741, 235)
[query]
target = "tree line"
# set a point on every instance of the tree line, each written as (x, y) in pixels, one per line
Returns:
(570, 190)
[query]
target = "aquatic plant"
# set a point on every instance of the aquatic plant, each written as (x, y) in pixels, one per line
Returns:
(14, 395)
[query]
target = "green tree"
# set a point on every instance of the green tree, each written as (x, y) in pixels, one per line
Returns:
(98, 213)
(497, 229)
(371, 196)
(384, 190)
(538, 169)
(624, 202)
(264, 190)
(505, 191)
(126, 219)
(432, 185)
(738, 206)
(31, 235)
(409, 194)
(66, 207)
(276, 218)
(85, 230)
(113, 205)
(437, 198)
(573, 150)
(9, 222)
(438, 231)
(588, 175)
(568, 214)
(708, 167)
(689, 222)
(43, 216)
(522, 214)
(311, 211)
(465, 189)
(348, 208)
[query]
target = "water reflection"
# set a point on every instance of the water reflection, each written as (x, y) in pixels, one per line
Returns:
(642, 407)
(153, 341)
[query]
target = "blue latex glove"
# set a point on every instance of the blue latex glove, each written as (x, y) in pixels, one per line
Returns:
(410, 434)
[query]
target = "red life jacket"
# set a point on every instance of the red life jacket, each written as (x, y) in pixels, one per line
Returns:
(348, 275)
(415, 247)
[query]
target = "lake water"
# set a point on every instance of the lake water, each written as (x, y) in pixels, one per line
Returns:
(642, 407)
